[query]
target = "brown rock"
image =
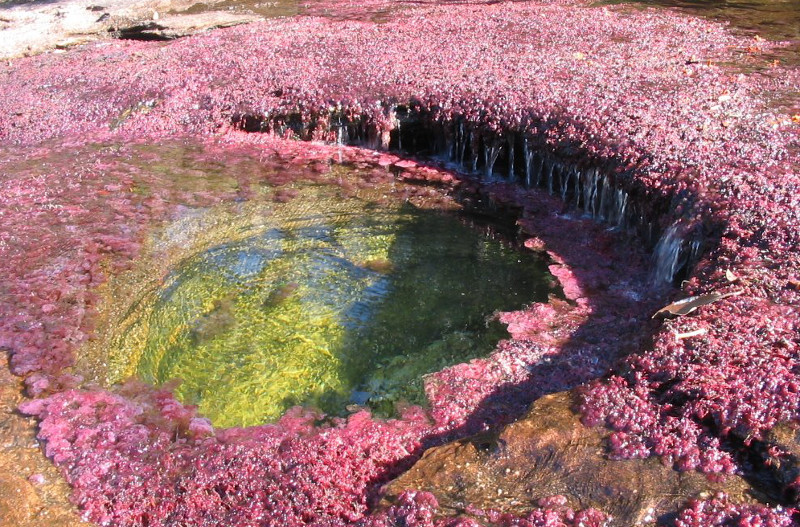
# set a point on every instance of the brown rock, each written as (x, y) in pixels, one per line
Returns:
(28, 28)
(32, 492)
(18, 500)
(175, 25)
(781, 454)
(549, 453)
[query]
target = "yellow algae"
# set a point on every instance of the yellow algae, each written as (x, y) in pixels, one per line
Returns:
(320, 301)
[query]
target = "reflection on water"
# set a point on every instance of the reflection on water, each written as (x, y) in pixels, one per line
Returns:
(772, 19)
(266, 9)
(324, 301)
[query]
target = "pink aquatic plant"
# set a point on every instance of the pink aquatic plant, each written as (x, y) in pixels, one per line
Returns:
(645, 98)
(719, 512)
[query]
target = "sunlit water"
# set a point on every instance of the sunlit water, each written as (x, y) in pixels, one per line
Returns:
(774, 19)
(327, 301)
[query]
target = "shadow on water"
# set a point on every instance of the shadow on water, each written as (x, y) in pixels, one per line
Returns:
(443, 283)
(619, 308)
(329, 309)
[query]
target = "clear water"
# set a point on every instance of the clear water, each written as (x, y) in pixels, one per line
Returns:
(322, 301)
(773, 19)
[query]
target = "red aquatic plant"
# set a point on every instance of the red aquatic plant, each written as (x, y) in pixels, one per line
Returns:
(644, 97)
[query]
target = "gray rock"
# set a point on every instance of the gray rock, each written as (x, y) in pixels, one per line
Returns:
(32, 27)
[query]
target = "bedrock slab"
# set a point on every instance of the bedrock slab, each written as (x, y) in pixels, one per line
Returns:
(31, 491)
(27, 28)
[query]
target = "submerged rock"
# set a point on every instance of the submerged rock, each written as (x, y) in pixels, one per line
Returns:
(549, 459)
(31, 491)
(18, 500)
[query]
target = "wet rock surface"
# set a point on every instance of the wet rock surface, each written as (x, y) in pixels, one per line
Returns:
(32, 492)
(779, 455)
(549, 458)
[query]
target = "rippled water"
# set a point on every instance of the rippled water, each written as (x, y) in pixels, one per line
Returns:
(323, 300)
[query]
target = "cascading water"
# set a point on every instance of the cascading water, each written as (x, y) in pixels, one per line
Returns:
(530, 159)
(621, 202)
(668, 255)
(587, 189)
(490, 153)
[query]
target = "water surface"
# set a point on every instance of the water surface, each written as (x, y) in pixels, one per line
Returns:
(773, 19)
(324, 298)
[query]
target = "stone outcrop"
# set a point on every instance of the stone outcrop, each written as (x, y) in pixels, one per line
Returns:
(28, 28)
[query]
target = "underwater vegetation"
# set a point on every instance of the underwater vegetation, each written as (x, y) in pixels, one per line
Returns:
(327, 302)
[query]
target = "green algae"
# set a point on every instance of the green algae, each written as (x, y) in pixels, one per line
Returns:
(321, 301)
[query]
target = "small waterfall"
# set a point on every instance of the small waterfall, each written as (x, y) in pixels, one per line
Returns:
(590, 191)
(607, 200)
(621, 208)
(490, 154)
(341, 134)
(511, 157)
(578, 189)
(566, 175)
(534, 164)
(341, 138)
(695, 249)
(529, 158)
(598, 195)
(667, 255)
